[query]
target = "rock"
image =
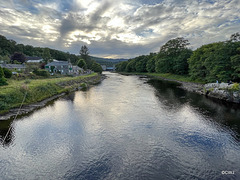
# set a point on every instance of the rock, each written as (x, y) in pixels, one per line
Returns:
(223, 86)
(211, 85)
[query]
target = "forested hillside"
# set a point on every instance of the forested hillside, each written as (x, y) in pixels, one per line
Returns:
(9, 47)
(108, 61)
(216, 61)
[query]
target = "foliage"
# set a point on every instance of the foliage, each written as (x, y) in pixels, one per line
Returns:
(235, 61)
(121, 67)
(6, 59)
(11, 95)
(151, 64)
(173, 56)
(82, 64)
(8, 47)
(216, 61)
(84, 54)
(141, 63)
(41, 72)
(2, 78)
(18, 56)
(7, 73)
(46, 55)
(97, 67)
(235, 87)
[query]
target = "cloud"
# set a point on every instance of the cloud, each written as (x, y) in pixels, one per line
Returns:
(119, 29)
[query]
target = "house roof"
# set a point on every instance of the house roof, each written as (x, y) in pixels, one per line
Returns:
(13, 66)
(34, 61)
(58, 63)
(76, 68)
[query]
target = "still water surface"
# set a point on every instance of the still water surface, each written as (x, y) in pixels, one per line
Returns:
(127, 127)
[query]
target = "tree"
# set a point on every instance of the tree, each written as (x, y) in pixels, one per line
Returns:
(6, 59)
(121, 67)
(131, 66)
(97, 67)
(235, 60)
(180, 65)
(7, 73)
(46, 55)
(18, 56)
(141, 63)
(2, 78)
(84, 53)
(82, 64)
(216, 61)
(172, 57)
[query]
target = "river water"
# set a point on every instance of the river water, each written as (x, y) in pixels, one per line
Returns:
(127, 127)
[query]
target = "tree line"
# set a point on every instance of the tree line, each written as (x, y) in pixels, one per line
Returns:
(11, 52)
(216, 61)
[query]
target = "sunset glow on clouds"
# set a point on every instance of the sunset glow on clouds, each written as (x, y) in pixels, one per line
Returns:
(117, 29)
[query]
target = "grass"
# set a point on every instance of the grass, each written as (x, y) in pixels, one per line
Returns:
(169, 76)
(37, 90)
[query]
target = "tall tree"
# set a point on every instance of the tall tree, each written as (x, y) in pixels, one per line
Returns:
(46, 55)
(84, 53)
(173, 56)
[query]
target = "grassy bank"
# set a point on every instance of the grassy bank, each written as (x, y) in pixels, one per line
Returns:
(12, 95)
(167, 76)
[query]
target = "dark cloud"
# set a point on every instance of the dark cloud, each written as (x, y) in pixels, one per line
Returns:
(124, 28)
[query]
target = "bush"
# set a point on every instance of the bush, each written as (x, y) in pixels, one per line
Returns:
(3, 81)
(41, 72)
(7, 73)
(235, 87)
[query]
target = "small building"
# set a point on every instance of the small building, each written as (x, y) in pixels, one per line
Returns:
(14, 67)
(77, 70)
(31, 59)
(62, 67)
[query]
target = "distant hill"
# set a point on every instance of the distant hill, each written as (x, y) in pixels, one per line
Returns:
(107, 61)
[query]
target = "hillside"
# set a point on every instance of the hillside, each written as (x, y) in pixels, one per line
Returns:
(107, 61)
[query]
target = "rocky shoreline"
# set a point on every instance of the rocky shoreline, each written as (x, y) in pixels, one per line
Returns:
(34, 106)
(221, 91)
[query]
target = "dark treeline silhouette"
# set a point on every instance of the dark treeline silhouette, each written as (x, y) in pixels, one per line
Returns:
(216, 61)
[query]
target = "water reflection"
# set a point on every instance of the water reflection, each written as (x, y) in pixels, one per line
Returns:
(226, 114)
(6, 132)
(125, 128)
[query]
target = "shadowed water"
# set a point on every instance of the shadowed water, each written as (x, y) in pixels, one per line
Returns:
(125, 128)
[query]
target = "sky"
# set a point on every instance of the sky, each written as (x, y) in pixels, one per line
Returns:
(117, 29)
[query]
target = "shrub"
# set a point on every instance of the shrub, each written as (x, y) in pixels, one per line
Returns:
(3, 81)
(235, 87)
(7, 73)
(41, 72)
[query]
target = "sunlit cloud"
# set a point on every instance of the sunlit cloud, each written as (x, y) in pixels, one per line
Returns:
(117, 29)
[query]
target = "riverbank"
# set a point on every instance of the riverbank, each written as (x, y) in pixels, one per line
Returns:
(38, 93)
(221, 91)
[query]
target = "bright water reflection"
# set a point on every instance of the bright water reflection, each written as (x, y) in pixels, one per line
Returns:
(125, 128)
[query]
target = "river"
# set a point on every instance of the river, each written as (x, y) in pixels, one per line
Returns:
(127, 127)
